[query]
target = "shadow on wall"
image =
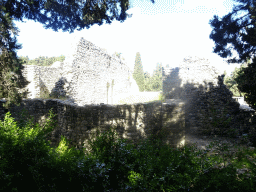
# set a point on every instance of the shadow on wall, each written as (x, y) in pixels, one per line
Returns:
(80, 124)
(206, 107)
(144, 119)
(210, 110)
(44, 92)
(57, 92)
(171, 85)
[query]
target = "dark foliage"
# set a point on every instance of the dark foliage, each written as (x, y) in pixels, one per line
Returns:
(11, 79)
(42, 60)
(240, 33)
(67, 15)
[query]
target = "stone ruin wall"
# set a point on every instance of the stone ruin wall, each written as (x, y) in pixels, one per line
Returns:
(43, 79)
(88, 75)
(179, 82)
(104, 76)
(201, 87)
(79, 123)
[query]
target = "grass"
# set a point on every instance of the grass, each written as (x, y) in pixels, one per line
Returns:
(29, 163)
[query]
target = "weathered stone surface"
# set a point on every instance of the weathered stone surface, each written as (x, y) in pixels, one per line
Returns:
(79, 123)
(209, 103)
(88, 75)
(56, 64)
(134, 86)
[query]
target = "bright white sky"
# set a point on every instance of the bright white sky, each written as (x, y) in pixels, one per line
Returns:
(164, 32)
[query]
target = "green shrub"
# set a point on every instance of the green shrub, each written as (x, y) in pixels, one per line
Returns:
(24, 151)
(28, 163)
(161, 97)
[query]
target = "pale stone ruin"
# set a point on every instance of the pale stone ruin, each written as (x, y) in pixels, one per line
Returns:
(88, 75)
(201, 87)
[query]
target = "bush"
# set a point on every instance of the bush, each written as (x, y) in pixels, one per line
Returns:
(24, 152)
(28, 163)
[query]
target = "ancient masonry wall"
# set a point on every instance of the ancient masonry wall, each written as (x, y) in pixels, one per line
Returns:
(42, 79)
(209, 103)
(79, 123)
(87, 76)
(178, 82)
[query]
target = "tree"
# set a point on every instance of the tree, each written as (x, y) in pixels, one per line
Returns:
(246, 77)
(67, 15)
(237, 32)
(148, 82)
(11, 79)
(232, 84)
(42, 60)
(241, 34)
(138, 74)
(155, 82)
(157, 78)
(25, 60)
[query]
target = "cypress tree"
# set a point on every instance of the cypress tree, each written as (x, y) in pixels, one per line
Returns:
(138, 74)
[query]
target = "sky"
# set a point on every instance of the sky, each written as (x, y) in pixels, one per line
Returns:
(164, 32)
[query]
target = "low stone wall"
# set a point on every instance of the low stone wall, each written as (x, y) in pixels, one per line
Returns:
(79, 123)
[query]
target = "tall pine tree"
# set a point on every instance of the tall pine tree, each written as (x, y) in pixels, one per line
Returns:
(11, 79)
(138, 74)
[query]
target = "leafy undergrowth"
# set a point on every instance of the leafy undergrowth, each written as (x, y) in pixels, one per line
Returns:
(28, 163)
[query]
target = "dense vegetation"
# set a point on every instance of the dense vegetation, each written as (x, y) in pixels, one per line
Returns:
(231, 83)
(237, 29)
(30, 163)
(11, 78)
(65, 15)
(42, 60)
